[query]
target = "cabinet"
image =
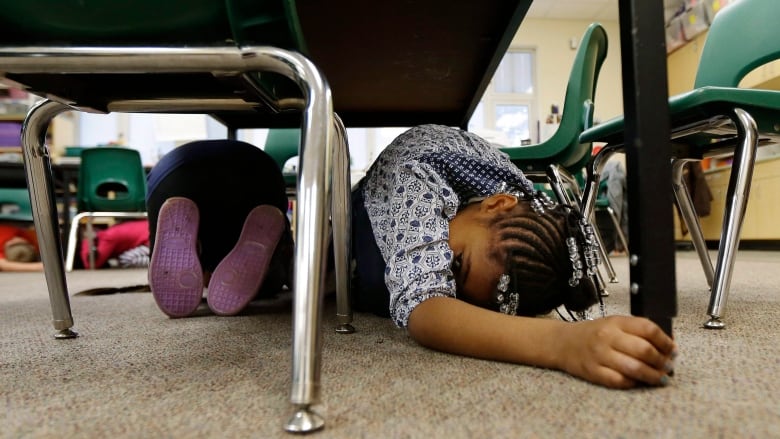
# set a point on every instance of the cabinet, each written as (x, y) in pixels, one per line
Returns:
(10, 130)
(763, 209)
(13, 108)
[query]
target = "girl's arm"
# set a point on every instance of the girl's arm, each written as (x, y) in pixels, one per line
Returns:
(617, 351)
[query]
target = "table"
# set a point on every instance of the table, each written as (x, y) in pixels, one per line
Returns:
(387, 64)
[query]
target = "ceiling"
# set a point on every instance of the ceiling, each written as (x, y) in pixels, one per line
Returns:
(574, 9)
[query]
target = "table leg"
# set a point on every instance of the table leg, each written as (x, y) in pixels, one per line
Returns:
(648, 162)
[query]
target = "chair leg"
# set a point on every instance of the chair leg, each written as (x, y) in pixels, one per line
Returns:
(594, 168)
(342, 228)
(557, 176)
(89, 234)
(736, 202)
(684, 202)
(70, 254)
(613, 279)
(317, 150)
(618, 229)
(38, 172)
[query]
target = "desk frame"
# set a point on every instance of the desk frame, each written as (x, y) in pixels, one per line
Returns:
(648, 162)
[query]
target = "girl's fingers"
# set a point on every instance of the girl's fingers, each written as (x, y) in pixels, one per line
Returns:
(635, 368)
(651, 332)
(609, 377)
(645, 352)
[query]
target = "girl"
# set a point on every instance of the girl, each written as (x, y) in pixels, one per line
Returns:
(19, 249)
(454, 245)
(217, 220)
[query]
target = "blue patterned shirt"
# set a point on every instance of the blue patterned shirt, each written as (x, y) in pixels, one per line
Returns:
(412, 191)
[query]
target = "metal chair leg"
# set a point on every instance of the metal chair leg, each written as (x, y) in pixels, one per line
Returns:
(342, 228)
(557, 177)
(70, 254)
(736, 202)
(618, 229)
(314, 194)
(39, 180)
(594, 168)
(684, 202)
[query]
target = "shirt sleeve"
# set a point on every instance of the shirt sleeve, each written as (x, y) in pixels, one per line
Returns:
(411, 223)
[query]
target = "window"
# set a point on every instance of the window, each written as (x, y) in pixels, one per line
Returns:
(506, 115)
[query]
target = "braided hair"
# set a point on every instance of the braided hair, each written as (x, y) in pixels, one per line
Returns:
(537, 258)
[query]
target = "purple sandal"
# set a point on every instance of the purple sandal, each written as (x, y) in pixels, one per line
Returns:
(240, 274)
(175, 274)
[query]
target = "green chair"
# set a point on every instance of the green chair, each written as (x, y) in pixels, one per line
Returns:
(713, 119)
(243, 62)
(282, 144)
(562, 150)
(112, 184)
(15, 205)
(563, 147)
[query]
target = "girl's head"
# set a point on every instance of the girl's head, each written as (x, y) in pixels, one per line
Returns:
(503, 243)
(18, 249)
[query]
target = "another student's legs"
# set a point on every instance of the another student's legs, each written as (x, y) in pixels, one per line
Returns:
(226, 181)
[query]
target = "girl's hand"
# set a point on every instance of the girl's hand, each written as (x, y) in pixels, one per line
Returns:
(617, 351)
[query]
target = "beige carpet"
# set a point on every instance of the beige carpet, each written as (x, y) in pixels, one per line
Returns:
(135, 373)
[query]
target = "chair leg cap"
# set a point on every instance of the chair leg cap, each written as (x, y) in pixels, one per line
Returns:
(304, 420)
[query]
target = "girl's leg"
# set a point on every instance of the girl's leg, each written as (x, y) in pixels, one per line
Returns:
(368, 284)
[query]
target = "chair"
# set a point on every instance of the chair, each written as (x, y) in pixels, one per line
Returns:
(282, 144)
(241, 61)
(15, 205)
(562, 150)
(715, 118)
(603, 205)
(563, 147)
(112, 184)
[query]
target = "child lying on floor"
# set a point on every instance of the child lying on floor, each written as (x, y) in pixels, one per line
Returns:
(451, 241)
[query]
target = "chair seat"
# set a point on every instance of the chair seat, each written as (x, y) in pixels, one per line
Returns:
(15, 205)
(702, 104)
(152, 22)
(196, 24)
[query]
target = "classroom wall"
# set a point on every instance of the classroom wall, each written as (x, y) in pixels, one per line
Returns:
(681, 65)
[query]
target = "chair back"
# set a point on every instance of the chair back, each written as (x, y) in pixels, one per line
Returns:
(282, 144)
(743, 36)
(577, 113)
(15, 205)
(564, 147)
(111, 179)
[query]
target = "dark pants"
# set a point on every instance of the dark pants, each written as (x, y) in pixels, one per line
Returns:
(369, 291)
(226, 180)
